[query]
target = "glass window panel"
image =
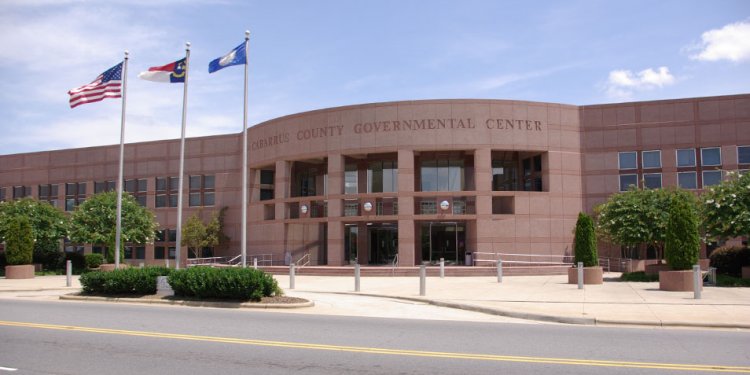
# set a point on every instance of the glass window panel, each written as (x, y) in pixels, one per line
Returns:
(455, 177)
(687, 180)
(141, 200)
(70, 204)
(686, 157)
(172, 235)
(375, 175)
(160, 236)
(161, 201)
(43, 191)
(628, 160)
(429, 175)
(538, 163)
(140, 252)
(195, 182)
(195, 199)
(626, 180)
(266, 194)
(651, 159)
(428, 207)
(161, 184)
(266, 177)
(711, 156)
(82, 188)
(350, 182)
(443, 175)
(743, 154)
(173, 201)
(142, 185)
(711, 178)
(130, 186)
(174, 183)
(652, 180)
(208, 182)
(128, 252)
(71, 189)
(159, 252)
(172, 251)
(208, 199)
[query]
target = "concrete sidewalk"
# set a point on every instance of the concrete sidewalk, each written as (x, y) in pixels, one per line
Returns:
(543, 298)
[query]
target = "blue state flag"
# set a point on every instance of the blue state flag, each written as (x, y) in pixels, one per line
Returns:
(236, 56)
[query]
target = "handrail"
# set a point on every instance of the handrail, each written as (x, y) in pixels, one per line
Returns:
(394, 264)
(306, 258)
(564, 260)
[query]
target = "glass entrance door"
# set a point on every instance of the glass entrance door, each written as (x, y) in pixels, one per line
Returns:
(443, 240)
(383, 243)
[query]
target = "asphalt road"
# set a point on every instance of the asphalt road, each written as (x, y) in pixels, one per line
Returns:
(43, 337)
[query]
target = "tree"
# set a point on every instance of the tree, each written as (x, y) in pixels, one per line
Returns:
(95, 222)
(215, 229)
(726, 208)
(584, 242)
(682, 245)
(19, 241)
(194, 234)
(49, 225)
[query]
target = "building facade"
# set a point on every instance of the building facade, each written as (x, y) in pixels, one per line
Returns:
(407, 182)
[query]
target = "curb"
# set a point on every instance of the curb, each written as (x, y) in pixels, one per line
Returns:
(248, 305)
(38, 290)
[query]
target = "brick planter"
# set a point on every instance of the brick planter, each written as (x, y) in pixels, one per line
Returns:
(591, 275)
(25, 271)
(677, 281)
(654, 269)
(746, 272)
(111, 267)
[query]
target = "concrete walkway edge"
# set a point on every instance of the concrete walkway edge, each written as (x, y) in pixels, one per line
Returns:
(247, 305)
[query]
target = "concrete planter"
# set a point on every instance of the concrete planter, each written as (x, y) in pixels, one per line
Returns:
(746, 272)
(654, 269)
(25, 271)
(591, 275)
(677, 281)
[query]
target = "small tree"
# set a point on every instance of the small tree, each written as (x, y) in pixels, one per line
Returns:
(19, 242)
(726, 208)
(584, 244)
(48, 224)
(194, 234)
(682, 245)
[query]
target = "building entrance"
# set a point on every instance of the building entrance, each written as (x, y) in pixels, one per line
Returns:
(445, 240)
(383, 243)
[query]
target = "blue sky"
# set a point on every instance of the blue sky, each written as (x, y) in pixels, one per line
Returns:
(307, 55)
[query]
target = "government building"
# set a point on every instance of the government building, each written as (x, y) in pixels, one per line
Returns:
(406, 183)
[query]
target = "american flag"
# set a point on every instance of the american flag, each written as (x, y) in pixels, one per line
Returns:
(106, 85)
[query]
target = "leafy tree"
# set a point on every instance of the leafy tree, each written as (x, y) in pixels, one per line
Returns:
(585, 242)
(682, 245)
(726, 208)
(95, 222)
(194, 234)
(215, 229)
(49, 225)
(19, 241)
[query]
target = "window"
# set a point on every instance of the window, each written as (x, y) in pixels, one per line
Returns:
(711, 178)
(351, 208)
(75, 194)
(309, 179)
(687, 180)
(532, 173)
(201, 191)
(652, 180)
(102, 186)
(21, 192)
(137, 188)
(686, 157)
(266, 184)
(711, 156)
(442, 175)
(743, 154)
(48, 193)
(428, 207)
(135, 252)
(651, 159)
(382, 176)
(504, 175)
(626, 180)
(2, 194)
(350, 179)
(627, 160)
(164, 244)
(166, 191)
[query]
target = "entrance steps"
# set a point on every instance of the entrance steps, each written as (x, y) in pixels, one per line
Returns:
(432, 271)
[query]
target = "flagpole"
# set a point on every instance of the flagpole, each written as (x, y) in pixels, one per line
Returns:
(118, 233)
(244, 160)
(178, 245)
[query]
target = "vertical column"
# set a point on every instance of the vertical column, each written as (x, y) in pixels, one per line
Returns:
(363, 244)
(483, 230)
(282, 181)
(335, 226)
(406, 188)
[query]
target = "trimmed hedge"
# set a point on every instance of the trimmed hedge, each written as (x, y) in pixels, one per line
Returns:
(136, 281)
(584, 242)
(94, 260)
(729, 260)
(223, 283)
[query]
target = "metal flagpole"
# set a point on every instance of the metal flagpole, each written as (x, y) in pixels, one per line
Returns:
(178, 245)
(244, 161)
(118, 233)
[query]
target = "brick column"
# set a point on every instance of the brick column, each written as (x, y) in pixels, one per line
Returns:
(406, 238)
(479, 236)
(282, 180)
(335, 226)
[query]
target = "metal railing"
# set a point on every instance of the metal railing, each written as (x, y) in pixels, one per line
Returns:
(304, 260)
(394, 264)
(490, 259)
(235, 261)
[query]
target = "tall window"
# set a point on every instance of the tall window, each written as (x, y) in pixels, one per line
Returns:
(504, 175)
(48, 193)
(309, 179)
(651, 159)
(137, 188)
(166, 191)
(686, 157)
(165, 244)
(267, 184)
(75, 194)
(532, 173)
(711, 156)
(628, 160)
(201, 190)
(743, 154)
(442, 174)
(351, 177)
(382, 176)
(21, 192)
(687, 180)
(102, 186)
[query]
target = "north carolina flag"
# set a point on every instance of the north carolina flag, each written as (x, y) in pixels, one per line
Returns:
(173, 73)
(236, 56)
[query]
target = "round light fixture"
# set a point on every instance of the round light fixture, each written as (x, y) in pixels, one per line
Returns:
(303, 208)
(444, 205)
(368, 206)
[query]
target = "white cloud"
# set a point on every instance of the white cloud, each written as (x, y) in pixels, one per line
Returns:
(622, 84)
(731, 42)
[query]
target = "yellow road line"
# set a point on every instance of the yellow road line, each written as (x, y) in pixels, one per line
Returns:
(383, 351)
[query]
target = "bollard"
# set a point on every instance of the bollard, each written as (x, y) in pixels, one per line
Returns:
(697, 281)
(356, 277)
(141, 265)
(68, 273)
(499, 270)
(580, 275)
(255, 263)
(442, 268)
(422, 280)
(291, 276)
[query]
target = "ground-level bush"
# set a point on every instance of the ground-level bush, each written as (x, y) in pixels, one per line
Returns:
(223, 283)
(639, 276)
(94, 260)
(138, 281)
(731, 281)
(730, 260)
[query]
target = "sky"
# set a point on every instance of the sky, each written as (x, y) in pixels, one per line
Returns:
(307, 55)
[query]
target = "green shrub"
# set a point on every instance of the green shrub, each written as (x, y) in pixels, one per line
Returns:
(682, 243)
(77, 260)
(137, 281)
(223, 283)
(19, 242)
(638, 277)
(731, 281)
(584, 242)
(729, 260)
(94, 260)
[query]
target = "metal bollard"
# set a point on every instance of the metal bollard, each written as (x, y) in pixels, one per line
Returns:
(499, 270)
(141, 265)
(580, 275)
(442, 268)
(422, 280)
(291, 276)
(356, 277)
(68, 273)
(255, 263)
(697, 281)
